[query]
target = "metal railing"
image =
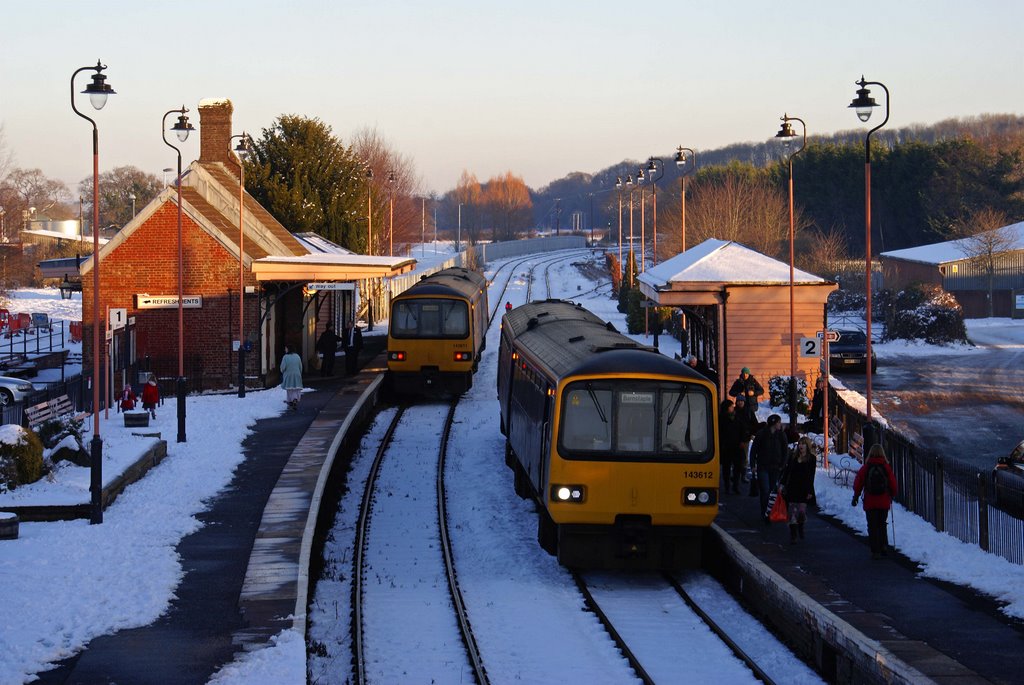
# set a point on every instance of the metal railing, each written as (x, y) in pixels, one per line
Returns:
(955, 497)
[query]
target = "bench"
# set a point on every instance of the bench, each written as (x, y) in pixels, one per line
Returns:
(38, 414)
(844, 469)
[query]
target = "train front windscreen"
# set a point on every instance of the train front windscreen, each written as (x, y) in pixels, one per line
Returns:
(430, 318)
(630, 419)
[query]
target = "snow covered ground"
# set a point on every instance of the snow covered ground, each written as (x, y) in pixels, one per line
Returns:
(63, 584)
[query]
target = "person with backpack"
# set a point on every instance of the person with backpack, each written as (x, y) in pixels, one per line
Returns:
(877, 482)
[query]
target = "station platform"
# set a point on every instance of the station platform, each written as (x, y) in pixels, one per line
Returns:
(245, 571)
(905, 628)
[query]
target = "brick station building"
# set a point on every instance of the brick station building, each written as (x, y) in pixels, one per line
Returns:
(139, 278)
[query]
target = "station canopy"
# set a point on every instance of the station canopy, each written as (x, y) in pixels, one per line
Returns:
(325, 266)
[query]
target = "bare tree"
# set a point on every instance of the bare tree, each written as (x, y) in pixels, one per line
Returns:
(982, 236)
(825, 252)
(396, 185)
(117, 188)
(468, 195)
(509, 205)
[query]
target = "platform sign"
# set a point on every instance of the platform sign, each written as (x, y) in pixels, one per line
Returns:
(117, 318)
(810, 347)
(828, 336)
(330, 286)
(147, 301)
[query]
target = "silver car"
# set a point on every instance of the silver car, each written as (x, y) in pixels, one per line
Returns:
(13, 390)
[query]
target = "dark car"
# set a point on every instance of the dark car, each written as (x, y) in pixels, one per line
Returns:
(1008, 480)
(851, 352)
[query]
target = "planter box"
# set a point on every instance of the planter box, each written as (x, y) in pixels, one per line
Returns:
(136, 419)
(8, 526)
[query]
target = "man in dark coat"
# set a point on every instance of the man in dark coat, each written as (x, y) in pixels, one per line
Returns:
(768, 456)
(747, 386)
(731, 427)
(327, 345)
(352, 342)
(702, 368)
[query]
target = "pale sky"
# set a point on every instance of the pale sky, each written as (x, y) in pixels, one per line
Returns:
(538, 88)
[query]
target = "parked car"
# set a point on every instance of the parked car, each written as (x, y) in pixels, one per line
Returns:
(1008, 480)
(850, 352)
(13, 390)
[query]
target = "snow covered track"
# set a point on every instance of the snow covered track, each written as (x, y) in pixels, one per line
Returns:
(406, 617)
(647, 616)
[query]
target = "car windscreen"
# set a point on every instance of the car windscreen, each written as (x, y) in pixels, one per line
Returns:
(636, 420)
(852, 338)
(429, 318)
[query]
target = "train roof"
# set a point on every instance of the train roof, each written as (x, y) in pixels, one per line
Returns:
(455, 281)
(568, 339)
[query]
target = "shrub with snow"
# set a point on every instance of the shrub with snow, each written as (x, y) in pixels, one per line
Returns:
(21, 457)
(779, 395)
(926, 312)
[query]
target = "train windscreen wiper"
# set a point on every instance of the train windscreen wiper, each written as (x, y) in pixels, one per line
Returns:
(597, 405)
(675, 408)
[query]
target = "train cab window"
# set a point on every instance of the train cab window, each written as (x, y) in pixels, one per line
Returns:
(636, 420)
(429, 318)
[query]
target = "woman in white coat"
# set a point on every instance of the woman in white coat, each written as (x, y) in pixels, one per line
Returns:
(291, 376)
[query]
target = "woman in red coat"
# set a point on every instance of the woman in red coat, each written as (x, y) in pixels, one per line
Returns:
(878, 483)
(150, 396)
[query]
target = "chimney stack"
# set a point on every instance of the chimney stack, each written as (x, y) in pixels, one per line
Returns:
(215, 132)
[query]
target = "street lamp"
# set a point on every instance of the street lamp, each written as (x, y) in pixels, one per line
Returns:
(863, 104)
(640, 180)
(684, 172)
(3, 224)
(242, 150)
(629, 184)
(391, 213)
(618, 187)
(181, 128)
(786, 135)
(369, 210)
(458, 234)
(655, 164)
(98, 91)
(131, 196)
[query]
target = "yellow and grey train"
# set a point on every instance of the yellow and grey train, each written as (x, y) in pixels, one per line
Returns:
(437, 333)
(615, 442)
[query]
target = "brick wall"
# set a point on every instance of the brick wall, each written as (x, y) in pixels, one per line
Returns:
(146, 262)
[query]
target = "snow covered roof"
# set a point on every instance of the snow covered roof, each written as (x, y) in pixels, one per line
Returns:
(950, 250)
(317, 243)
(723, 261)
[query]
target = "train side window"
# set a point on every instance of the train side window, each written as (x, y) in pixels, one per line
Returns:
(587, 420)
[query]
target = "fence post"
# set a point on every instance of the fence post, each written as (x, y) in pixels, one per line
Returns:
(983, 511)
(939, 493)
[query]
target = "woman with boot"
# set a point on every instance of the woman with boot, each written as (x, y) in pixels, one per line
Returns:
(731, 430)
(798, 486)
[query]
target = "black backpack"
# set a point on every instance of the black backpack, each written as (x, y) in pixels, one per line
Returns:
(877, 480)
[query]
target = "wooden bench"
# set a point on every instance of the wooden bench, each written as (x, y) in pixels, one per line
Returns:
(38, 414)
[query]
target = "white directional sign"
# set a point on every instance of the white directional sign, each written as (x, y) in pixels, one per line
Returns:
(147, 301)
(330, 286)
(810, 347)
(830, 336)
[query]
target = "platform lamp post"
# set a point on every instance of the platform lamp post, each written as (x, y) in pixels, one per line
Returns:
(863, 104)
(391, 213)
(3, 224)
(640, 180)
(369, 211)
(684, 172)
(632, 258)
(618, 187)
(242, 150)
(181, 128)
(655, 164)
(786, 135)
(98, 91)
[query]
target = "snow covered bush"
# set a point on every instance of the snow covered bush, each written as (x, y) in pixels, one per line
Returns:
(21, 457)
(62, 438)
(926, 312)
(779, 396)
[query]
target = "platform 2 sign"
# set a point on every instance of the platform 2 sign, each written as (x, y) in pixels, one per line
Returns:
(147, 301)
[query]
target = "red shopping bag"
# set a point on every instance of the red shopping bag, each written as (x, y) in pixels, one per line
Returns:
(779, 513)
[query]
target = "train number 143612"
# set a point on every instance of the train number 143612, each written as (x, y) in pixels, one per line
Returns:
(698, 475)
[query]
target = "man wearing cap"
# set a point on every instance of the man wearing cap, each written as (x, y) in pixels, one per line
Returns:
(747, 386)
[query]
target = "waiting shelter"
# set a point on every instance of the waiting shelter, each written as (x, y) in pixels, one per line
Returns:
(736, 304)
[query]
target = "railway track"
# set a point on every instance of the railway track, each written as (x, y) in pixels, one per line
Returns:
(638, 610)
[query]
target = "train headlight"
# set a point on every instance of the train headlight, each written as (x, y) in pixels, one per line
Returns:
(699, 497)
(396, 356)
(463, 356)
(574, 494)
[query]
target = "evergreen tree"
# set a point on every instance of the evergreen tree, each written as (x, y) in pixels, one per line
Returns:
(309, 180)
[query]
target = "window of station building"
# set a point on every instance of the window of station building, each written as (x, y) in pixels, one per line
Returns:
(430, 318)
(625, 419)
